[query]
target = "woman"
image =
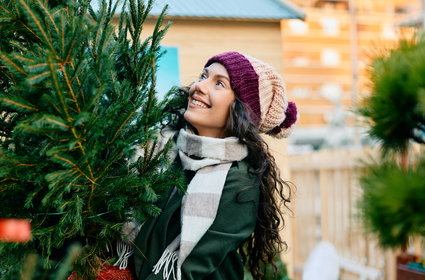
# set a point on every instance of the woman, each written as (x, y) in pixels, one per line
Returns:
(230, 213)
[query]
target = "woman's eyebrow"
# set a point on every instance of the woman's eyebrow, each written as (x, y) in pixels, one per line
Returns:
(223, 77)
(218, 75)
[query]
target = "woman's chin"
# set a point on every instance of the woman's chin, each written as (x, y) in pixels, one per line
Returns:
(190, 117)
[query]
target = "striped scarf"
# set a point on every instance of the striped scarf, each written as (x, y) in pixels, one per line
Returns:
(211, 158)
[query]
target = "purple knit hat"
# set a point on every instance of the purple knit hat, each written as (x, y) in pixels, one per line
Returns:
(259, 86)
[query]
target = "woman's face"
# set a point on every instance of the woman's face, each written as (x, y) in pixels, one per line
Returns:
(210, 98)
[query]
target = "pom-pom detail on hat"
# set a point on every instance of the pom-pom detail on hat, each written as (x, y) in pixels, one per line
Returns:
(291, 117)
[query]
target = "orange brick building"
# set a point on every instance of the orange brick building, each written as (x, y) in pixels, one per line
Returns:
(325, 60)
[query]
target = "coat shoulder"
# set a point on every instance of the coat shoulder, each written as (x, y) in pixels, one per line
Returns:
(240, 172)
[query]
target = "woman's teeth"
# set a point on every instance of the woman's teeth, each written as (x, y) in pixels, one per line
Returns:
(200, 104)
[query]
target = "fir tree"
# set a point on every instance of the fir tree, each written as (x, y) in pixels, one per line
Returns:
(394, 190)
(395, 108)
(77, 95)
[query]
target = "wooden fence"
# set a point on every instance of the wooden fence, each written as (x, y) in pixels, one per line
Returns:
(325, 209)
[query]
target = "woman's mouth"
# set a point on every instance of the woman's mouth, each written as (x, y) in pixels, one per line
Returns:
(199, 103)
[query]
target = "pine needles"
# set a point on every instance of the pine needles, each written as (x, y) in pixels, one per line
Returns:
(393, 201)
(76, 98)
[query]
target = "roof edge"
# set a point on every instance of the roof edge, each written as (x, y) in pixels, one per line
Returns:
(293, 8)
(241, 19)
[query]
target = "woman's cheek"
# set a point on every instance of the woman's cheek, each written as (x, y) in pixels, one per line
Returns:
(15, 230)
(191, 115)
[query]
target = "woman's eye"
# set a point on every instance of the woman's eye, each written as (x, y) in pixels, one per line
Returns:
(203, 76)
(221, 84)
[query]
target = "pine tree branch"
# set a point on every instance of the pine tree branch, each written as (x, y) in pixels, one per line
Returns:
(89, 208)
(54, 175)
(6, 10)
(18, 163)
(71, 183)
(41, 65)
(51, 103)
(99, 27)
(11, 63)
(71, 90)
(56, 85)
(29, 29)
(121, 126)
(80, 145)
(75, 76)
(23, 58)
(75, 166)
(137, 22)
(68, 118)
(49, 16)
(40, 28)
(148, 109)
(39, 76)
(75, 38)
(22, 48)
(55, 122)
(19, 104)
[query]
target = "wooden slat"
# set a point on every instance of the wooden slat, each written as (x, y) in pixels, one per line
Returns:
(328, 179)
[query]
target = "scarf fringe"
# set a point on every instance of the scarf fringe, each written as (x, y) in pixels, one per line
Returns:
(124, 251)
(168, 263)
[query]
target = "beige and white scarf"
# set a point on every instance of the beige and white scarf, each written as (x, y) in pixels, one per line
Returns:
(211, 158)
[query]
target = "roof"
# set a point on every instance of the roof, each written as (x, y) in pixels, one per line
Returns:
(258, 10)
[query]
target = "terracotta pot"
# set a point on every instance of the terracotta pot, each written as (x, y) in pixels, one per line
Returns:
(405, 273)
(404, 258)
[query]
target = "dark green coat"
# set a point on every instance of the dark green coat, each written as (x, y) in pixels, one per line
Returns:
(215, 256)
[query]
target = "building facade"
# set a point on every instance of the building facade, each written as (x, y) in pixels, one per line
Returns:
(325, 64)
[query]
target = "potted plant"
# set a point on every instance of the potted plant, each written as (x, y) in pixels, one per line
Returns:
(393, 205)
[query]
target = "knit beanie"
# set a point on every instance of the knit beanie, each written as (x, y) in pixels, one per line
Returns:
(259, 86)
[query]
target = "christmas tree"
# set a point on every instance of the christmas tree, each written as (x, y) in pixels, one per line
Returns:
(77, 96)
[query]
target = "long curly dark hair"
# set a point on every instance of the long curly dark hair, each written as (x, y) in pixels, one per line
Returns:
(263, 245)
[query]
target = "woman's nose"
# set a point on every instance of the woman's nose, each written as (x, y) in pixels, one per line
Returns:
(202, 86)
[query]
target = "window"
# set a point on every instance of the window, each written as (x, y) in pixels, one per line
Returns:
(301, 92)
(168, 74)
(330, 26)
(301, 61)
(332, 92)
(298, 27)
(330, 58)
(388, 31)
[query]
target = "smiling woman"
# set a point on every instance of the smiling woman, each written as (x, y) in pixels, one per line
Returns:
(210, 99)
(230, 214)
